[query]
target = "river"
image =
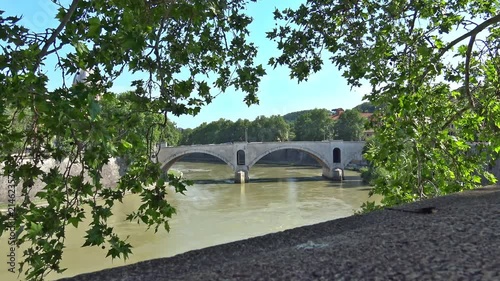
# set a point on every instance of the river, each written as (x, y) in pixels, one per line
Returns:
(216, 211)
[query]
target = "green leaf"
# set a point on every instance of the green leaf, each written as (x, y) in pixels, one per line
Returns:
(74, 221)
(35, 229)
(462, 50)
(94, 236)
(81, 48)
(94, 110)
(126, 144)
(94, 27)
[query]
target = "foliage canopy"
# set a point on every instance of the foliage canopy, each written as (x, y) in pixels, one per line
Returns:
(314, 125)
(175, 45)
(262, 129)
(433, 67)
(350, 126)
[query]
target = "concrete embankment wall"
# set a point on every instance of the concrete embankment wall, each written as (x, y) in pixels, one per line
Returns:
(111, 174)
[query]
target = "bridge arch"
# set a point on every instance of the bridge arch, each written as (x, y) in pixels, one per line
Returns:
(311, 153)
(170, 161)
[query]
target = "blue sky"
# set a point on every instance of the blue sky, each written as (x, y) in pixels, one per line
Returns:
(278, 94)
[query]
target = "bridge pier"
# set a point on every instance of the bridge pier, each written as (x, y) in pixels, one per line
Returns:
(241, 176)
(335, 174)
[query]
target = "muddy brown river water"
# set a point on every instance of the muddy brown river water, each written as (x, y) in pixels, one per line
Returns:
(216, 211)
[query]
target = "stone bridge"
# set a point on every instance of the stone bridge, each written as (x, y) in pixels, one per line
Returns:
(241, 156)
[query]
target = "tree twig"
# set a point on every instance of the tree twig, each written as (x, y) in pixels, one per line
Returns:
(473, 32)
(454, 117)
(467, 70)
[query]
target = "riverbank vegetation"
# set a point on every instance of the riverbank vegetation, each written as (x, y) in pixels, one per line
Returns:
(307, 125)
(436, 127)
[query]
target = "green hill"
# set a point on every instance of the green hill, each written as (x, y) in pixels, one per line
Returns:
(366, 107)
(292, 116)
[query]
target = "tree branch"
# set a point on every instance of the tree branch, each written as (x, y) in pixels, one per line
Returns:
(473, 32)
(56, 32)
(56, 48)
(467, 70)
(454, 117)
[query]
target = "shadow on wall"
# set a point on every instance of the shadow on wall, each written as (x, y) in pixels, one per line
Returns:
(495, 170)
(111, 173)
(285, 156)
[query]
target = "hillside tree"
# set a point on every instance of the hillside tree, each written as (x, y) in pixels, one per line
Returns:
(350, 126)
(314, 125)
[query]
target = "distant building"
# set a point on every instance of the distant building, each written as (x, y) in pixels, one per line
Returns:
(336, 112)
